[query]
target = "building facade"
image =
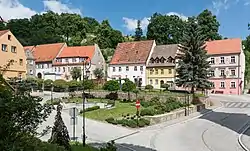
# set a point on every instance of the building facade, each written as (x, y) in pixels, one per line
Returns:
(12, 50)
(130, 60)
(73, 57)
(227, 61)
(161, 66)
(30, 62)
(45, 55)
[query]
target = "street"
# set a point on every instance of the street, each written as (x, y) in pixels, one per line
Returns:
(216, 130)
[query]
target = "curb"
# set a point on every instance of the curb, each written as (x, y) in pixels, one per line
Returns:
(240, 141)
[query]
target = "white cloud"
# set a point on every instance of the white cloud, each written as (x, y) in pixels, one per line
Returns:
(14, 9)
(11, 9)
(183, 17)
(59, 7)
(219, 5)
(131, 23)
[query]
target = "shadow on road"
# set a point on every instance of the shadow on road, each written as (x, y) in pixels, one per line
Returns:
(233, 121)
(124, 147)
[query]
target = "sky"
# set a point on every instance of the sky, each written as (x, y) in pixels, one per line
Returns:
(233, 15)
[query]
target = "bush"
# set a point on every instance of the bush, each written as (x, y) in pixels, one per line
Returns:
(112, 96)
(111, 102)
(143, 122)
(111, 120)
(74, 85)
(145, 104)
(92, 108)
(149, 87)
(165, 86)
(147, 111)
(60, 85)
(48, 84)
(132, 123)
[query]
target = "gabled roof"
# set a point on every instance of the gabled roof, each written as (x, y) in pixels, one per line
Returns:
(132, 52)
(79, 51)
(225, 46)
(47, 52)
(2, 32)
(28, 48)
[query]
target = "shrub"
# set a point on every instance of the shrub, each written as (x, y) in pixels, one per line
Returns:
(132, 123)
(111, 102)
(48, 84)
(92, 108)
(145, 104)
(111, 85)
(147, 111)
(112, 96)
(73, 85)
(60, 85)
(143, 122)
(149, 87)
(165, 86)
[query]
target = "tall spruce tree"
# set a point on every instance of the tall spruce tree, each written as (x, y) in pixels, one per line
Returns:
(60, 134)
(138, 31)
(193, 68)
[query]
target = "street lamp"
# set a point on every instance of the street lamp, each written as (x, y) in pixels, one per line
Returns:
(86, 66)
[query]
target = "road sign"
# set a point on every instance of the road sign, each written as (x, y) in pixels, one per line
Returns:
(73, 112)
(137, 104)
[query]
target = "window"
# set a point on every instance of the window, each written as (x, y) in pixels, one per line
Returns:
(141, 68)
(127, 68)
(41, 66)
(20, 75)
(151, 81)
(67, 60)
(120, 69)
(212, 73)
(64, 69)
(4, 47)
(9, 37)
(222, 60)
(151, 71)
(222, 72)
(169, 71)
(232, 72)
(13, 49)
(31, 62)
(135, 68)
(59, 69)
(20, 62)
(156, 71)
(156, 81)
(74, 60)
(212, 85)
(232, 85)
(113, 69)
(233, 59)
(212, 60)
(162, 71)
(222, 85)
(31, 72)
(55, 69)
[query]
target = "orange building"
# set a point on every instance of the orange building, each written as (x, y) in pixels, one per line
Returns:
(12, 49)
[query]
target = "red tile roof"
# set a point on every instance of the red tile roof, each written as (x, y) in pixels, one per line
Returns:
(2, 32)
(225, 46)
(47, 52)
(79, 51)
(132, 52)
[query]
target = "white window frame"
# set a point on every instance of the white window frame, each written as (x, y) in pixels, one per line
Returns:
(212, 60)
(231, 83)
(222, 60)
(233, 58)
(222, 85)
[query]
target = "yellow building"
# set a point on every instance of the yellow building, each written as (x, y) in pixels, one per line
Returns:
(12, 50)
(161, 66)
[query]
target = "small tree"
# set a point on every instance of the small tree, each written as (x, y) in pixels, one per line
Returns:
(60, 134)
(74, 85)
(76, 73)
(128, 86)
(88, 85)
(111, 86)
(60, 85)
(99, 74)
(48, 84)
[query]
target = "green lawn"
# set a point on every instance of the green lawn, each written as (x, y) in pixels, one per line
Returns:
(79, 147)
(117, 112)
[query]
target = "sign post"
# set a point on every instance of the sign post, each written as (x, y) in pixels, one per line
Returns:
(73, 113)
(137, 105)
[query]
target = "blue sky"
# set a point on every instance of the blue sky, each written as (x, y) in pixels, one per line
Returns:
(122, 14)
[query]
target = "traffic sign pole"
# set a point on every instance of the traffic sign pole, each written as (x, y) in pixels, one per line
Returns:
(137, 105)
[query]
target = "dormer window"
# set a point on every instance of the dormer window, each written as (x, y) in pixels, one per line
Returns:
(170, 59)
(157, 60)
(162, 59)
(152, 60)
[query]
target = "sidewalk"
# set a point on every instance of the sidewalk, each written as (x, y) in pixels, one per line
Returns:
(246, 139)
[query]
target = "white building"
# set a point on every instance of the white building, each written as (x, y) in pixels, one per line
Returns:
(73, 57)
(44, 58)
(129, 61)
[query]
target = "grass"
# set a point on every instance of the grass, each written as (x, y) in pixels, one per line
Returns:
(79, 147)
(117, 112)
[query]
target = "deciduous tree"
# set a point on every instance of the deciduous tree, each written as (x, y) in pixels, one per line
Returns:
(76, 73)
(128, 86)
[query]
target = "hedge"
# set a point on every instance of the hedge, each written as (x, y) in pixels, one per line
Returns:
(129, 122)
(90, 109)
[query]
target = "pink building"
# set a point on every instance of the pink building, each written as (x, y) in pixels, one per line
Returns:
(228, 66)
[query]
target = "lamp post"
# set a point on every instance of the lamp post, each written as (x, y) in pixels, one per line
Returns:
(86, 66)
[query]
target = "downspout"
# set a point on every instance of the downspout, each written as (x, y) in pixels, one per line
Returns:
(239, 75)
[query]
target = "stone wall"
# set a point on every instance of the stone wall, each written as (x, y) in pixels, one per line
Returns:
(174, 115)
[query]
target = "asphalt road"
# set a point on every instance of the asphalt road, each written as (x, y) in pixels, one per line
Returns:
(216, 131)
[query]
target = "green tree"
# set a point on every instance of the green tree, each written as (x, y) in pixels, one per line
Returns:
(76, 73)
(88, 84)
(99, 74)
(128, 86)
(138, 31)
(60, 134)
(246, 44)
(20, 116)
(209, 25)
(60, 85)
(48, 83)
(92, 24)
(149, 87)
(165, 29)
(74, 85)
(111, 86)
(193, 66)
